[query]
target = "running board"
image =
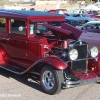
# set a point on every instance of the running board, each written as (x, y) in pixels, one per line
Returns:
(13, 69)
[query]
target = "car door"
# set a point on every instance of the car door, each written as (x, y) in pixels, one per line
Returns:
(17, 46)
(17, 42)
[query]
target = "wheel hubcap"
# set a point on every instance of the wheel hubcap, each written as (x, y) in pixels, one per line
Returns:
(48, 80)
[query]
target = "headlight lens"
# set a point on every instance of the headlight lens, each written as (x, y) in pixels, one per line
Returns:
(73, 54)
(94, 52)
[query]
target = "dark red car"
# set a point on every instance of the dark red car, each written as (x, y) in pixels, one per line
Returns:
(91, 33)
(36, 42)
(58, 11)
(96, 15)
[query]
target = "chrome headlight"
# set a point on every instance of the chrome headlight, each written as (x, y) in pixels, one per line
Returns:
(73, 54)
(94, 52)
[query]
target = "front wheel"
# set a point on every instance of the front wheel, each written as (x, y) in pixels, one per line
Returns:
(51, 80)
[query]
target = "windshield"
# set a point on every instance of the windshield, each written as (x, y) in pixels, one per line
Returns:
(79, 15)
(37, 27)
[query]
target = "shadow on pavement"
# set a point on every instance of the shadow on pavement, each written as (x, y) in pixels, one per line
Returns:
(27, 79)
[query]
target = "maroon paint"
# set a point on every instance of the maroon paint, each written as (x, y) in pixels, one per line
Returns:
(92, 38)
(21, 47)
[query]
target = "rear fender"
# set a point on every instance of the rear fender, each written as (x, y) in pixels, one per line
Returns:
(4, 57)
(1, 58)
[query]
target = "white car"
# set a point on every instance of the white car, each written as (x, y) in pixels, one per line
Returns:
(91, 26)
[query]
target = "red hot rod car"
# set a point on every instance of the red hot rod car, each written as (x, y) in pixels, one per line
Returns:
(38, 42)
(59, 11)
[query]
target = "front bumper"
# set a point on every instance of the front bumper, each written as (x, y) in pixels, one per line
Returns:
(71, 84)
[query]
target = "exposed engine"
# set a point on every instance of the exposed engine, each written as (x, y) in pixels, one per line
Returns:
(61, 53)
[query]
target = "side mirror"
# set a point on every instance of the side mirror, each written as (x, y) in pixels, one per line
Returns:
(21, 28)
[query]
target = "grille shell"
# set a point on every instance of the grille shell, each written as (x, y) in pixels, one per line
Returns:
(82, 48)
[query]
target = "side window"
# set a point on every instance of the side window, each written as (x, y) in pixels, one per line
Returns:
(15, 24)
(32, 28)
(2, 24)
(36, 28)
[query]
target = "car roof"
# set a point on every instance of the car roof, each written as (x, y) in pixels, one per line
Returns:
(27, 13)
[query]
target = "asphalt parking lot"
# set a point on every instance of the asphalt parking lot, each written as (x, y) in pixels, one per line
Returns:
(14, 87)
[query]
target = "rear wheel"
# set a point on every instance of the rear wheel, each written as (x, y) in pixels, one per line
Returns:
(51, 80)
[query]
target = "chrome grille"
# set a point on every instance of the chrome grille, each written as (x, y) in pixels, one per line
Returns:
(82, 49)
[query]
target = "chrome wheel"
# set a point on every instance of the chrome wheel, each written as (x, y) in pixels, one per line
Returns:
(48, 80)
(51, 80)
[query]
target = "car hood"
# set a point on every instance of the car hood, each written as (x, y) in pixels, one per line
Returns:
(65, 31)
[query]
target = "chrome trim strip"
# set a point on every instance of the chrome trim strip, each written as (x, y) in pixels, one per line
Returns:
(80, 59)
(36, 73)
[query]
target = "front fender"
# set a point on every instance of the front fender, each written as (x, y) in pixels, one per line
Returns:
(94, 64)
(53, 61)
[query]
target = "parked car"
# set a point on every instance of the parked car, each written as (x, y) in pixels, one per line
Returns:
(92, 26)
(58, 11)
(91, 33)
(34, 43)
(88, 13)
(97, 15)
(79, 19)
(76, 11)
